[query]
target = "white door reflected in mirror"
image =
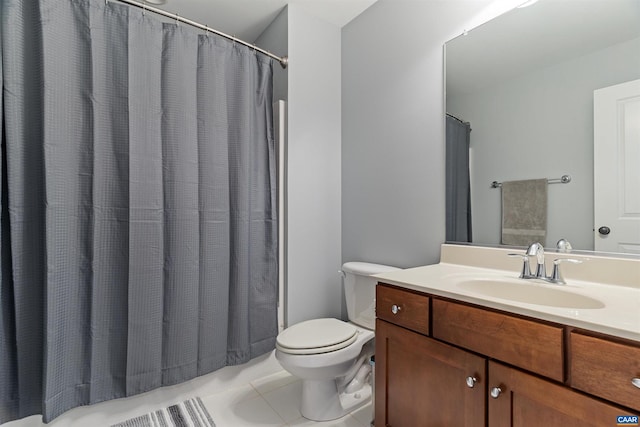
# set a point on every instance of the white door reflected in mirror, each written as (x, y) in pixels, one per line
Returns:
(616, 171)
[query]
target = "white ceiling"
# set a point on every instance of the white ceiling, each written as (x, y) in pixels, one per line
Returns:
(247, 19)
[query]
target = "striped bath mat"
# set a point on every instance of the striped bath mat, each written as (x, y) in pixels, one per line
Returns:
(190, 413)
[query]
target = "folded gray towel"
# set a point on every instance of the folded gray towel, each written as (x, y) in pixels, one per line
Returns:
(524, 212)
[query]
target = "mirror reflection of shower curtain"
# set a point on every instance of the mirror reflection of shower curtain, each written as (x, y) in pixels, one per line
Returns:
(458, 188)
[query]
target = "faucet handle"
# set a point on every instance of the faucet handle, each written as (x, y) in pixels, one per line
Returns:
(556, 276)
(526, 269)
(558, 261)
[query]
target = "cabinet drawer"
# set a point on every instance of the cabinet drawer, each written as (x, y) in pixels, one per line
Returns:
(534, 346)
(411, 309)
(605, 368)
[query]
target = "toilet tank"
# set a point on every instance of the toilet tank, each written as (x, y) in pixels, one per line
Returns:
(360, 291)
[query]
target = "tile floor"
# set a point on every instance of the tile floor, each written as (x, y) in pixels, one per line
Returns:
(271, 401)
(256, 394)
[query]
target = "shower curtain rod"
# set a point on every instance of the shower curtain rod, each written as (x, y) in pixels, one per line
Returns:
(458, 119)
(142, 5)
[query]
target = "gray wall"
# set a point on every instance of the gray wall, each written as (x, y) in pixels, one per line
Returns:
(313, 176)
(393, 209)
(549, 135)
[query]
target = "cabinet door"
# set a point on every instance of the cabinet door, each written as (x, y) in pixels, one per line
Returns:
(422, 382)
(525, 400)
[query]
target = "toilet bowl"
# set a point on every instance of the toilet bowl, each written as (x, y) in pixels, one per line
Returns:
(331, 356)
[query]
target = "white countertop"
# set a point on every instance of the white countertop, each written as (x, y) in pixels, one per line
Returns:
(619, 317)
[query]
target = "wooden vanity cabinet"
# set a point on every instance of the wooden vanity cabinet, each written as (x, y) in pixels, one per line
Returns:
(444, 363)
(526, 400)
(421, 381)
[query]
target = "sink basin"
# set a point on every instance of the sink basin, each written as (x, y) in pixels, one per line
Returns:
(530, 293)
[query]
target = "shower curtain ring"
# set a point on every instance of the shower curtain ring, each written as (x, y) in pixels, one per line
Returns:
(177, 19)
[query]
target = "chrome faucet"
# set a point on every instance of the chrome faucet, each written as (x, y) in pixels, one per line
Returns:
(537, 250)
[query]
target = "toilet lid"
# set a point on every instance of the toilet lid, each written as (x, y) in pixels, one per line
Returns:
(316, 336)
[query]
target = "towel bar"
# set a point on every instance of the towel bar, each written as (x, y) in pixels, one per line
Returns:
(564, 179)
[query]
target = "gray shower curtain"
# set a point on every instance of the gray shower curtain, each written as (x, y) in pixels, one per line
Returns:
(458, 187)
(139, 240)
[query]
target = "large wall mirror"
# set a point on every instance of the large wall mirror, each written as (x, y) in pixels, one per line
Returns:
(522, 88)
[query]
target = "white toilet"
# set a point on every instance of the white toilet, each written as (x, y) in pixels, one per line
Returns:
(330, 356)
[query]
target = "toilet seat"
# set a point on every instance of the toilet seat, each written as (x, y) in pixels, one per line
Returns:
(316, 336)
